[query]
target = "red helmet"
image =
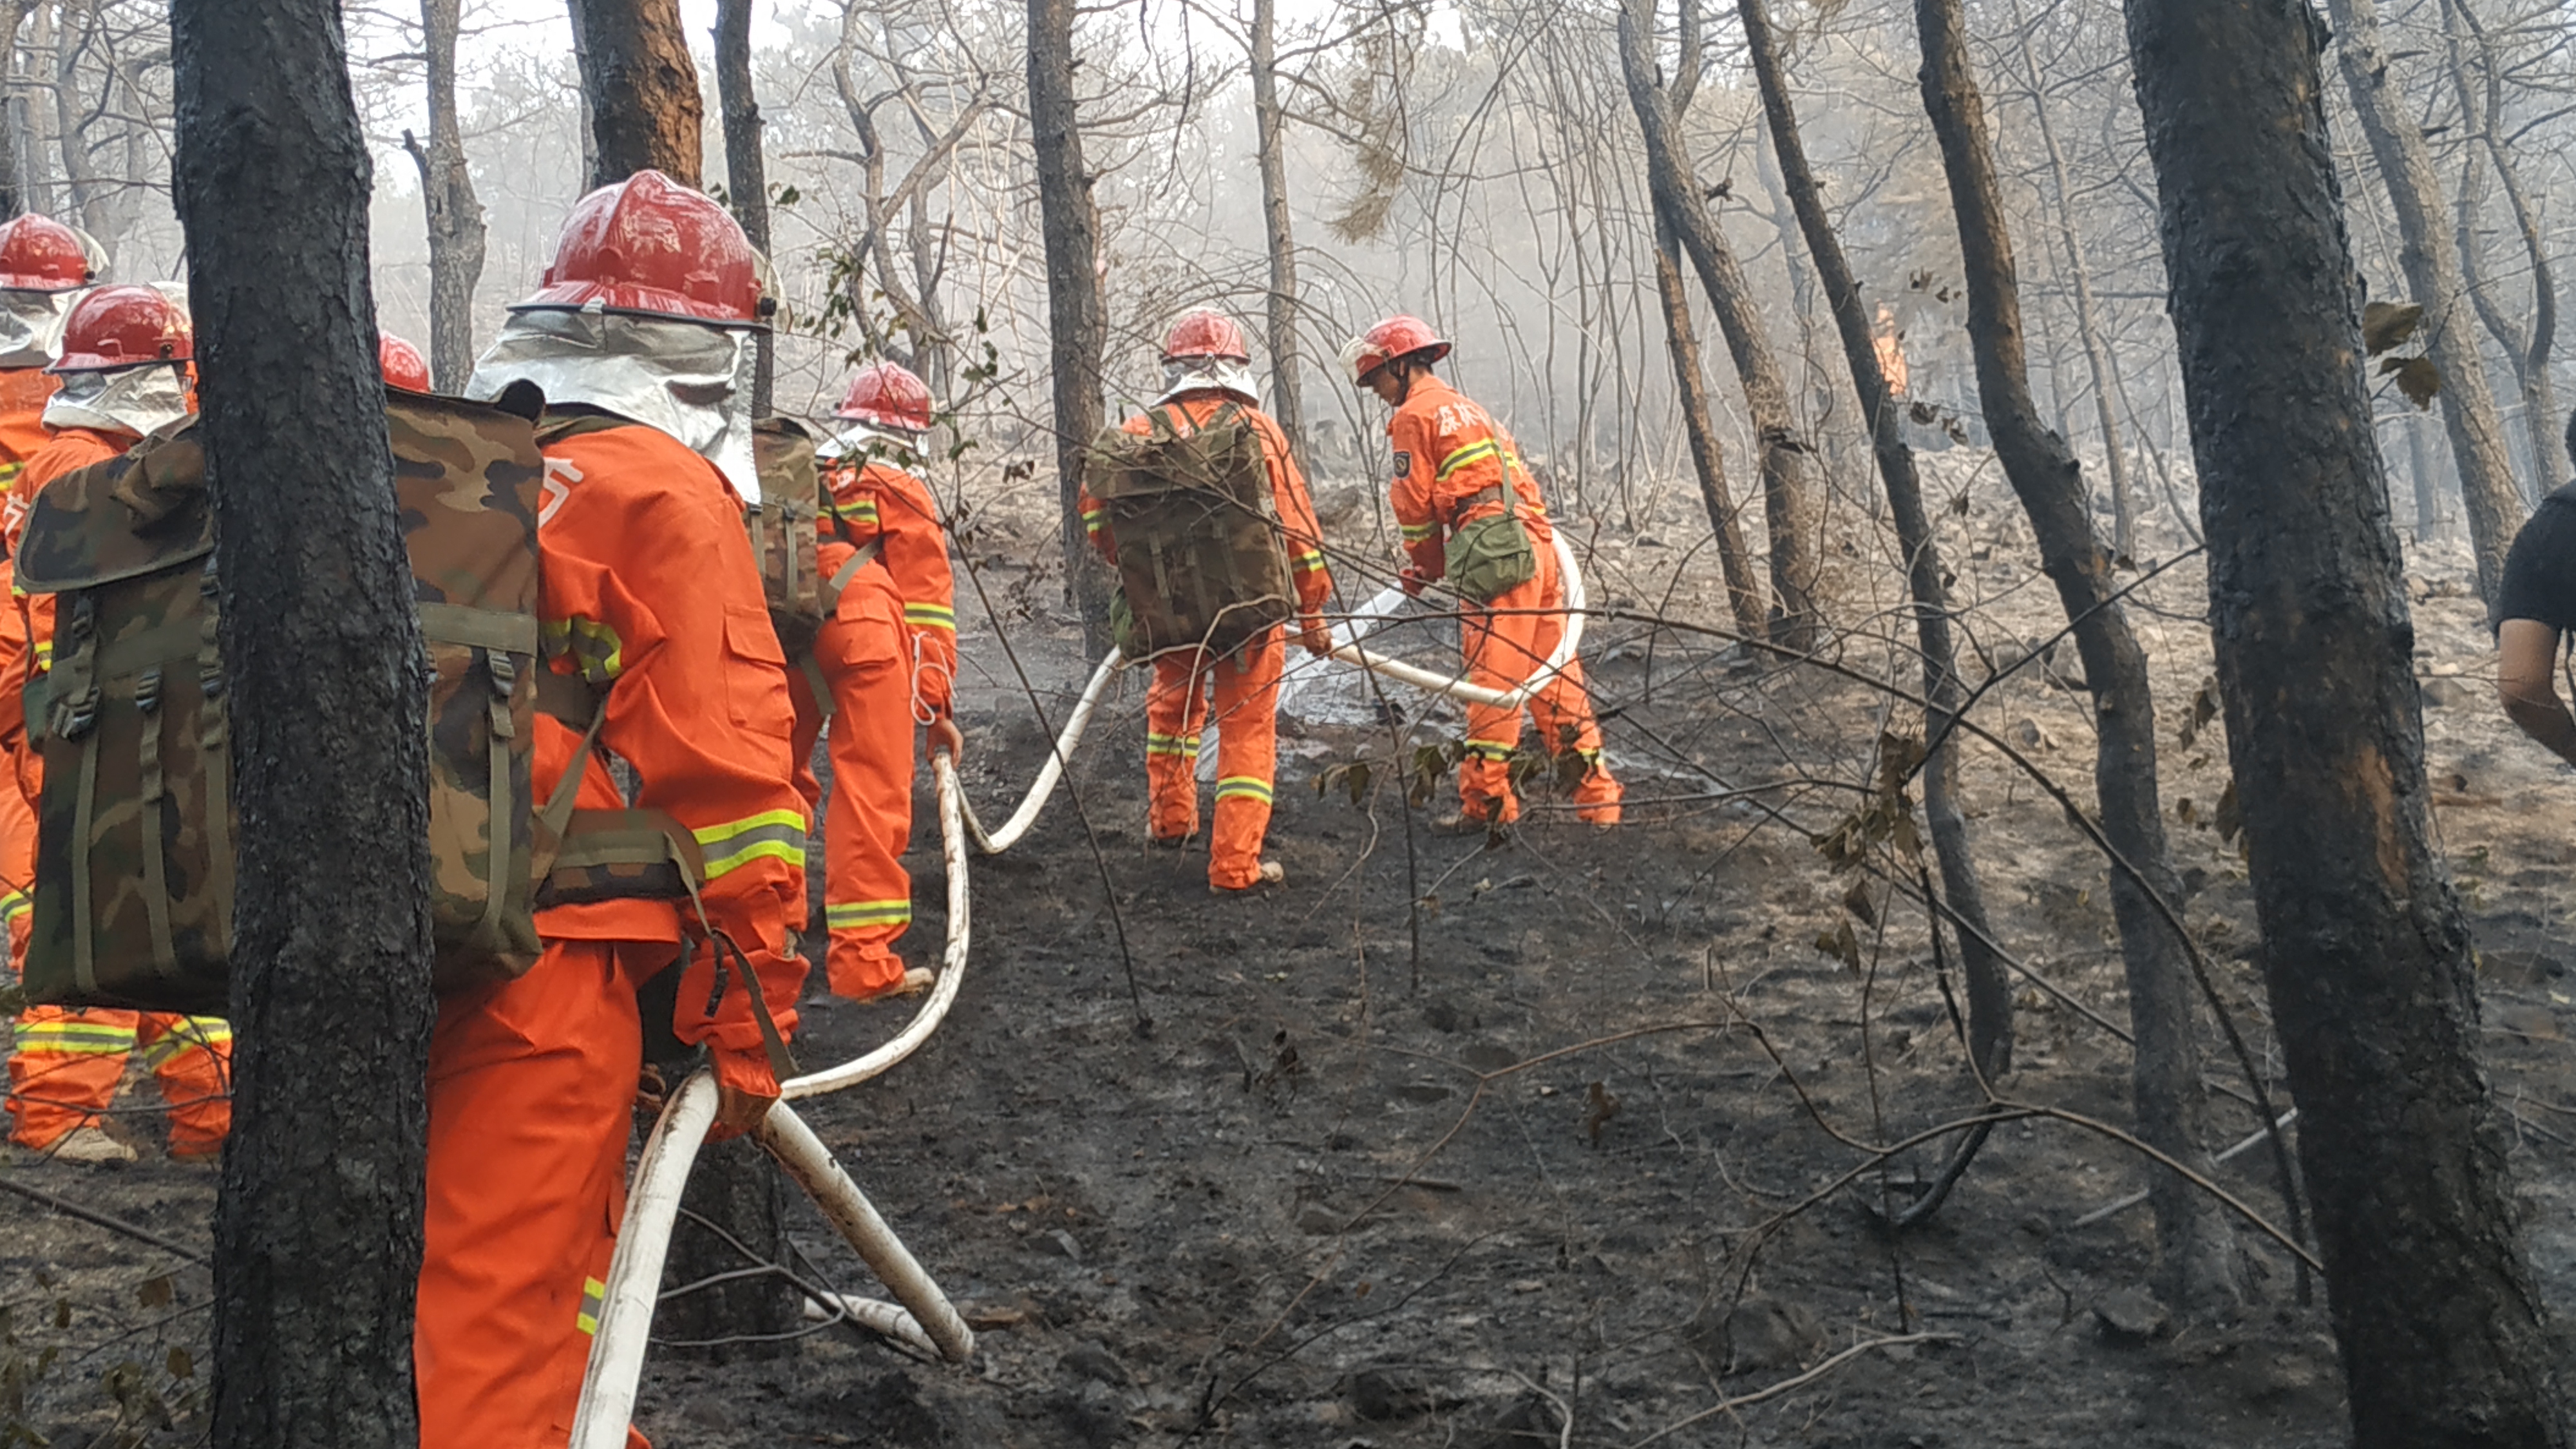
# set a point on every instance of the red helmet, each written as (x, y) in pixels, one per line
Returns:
(401, 363)
(40, 254)
(1397, 336)
(649, 244)
(124, 326)
(889, 396)
(1206, 333)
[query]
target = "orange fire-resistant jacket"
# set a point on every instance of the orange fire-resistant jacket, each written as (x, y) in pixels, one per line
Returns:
(1453, 463)
(877, 502)
(71, 450)
(651, 593)
(23, 394)
(1304, 537)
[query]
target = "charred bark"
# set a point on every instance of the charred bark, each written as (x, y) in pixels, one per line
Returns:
(1789, 514)
(318, 1228)
(746, 172)
(455, 214)
(2088, 320)
(642, 88)
(2198, 1269)
(1279, 309)
(2432, 265)
(1077, 328)
(2366, 951)
(1744, 593)
(1990, 1025)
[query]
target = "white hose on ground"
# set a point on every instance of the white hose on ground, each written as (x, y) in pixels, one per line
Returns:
(952, 963)
(1459, 688)
(807, 1160)
(635, 1270)
(994, 842)
(881, 1318)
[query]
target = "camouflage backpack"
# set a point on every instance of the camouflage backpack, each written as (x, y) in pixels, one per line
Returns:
(134, 878)
(1200, 558)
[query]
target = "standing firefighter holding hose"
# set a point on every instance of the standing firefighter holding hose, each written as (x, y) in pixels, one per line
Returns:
(1473, 517)
(1199, 505)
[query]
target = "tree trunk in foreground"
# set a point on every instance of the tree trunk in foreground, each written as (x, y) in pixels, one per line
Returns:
(2445, 1341)
(1279, 311)
(455, 214)
(1787, 505)
(2432, 265)
(1990, 1026)
(2197, 1266)
(642, 88)
(746, 176)
(1744, 593)
(318, 1229)
(1078, 330)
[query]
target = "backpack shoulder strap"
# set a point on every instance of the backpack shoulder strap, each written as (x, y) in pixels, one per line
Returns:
(555, 427)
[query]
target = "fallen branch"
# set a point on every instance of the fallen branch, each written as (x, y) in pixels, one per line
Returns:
(1741, 1401)
(71, 1209)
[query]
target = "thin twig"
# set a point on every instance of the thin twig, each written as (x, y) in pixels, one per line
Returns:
(1785, 1385)
(72, 1209)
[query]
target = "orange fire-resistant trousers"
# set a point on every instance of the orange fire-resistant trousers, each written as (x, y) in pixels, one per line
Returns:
(1245, 688)
(1505, 643)
(531, 1087)
(863, 655)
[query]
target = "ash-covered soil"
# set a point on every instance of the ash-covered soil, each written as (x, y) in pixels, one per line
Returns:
(1450, 1138)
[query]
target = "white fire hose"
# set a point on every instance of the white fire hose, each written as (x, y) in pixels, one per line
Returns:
(926, 1320)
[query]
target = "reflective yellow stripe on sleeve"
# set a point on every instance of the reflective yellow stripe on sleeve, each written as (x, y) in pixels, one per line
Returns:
(595, 648)
(1472, 453)
(1417, 532)
(930, 616)
(770, 835)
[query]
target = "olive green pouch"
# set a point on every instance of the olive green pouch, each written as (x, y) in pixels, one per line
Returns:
(1489, 557)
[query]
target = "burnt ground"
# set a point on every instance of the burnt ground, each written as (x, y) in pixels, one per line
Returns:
(1571, 1134)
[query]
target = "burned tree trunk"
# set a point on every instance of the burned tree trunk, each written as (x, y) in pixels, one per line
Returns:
(2445, 1341)
(2088, 319)
(2432, 265)
(1744, 592)
(642, 88)
(1279, 312)
(735, 1203)
(318, 1229)
(1788, 508)
(455, 214)
(1989, 995)
(2528, 351)
(2197, 1261)
(746, 173)
(13, 188)
(1077, 328)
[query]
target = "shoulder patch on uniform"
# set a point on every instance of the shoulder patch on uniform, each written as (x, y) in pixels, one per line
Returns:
(1403, 463)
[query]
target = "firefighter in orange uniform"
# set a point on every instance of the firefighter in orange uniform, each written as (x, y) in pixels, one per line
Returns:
(639, 335)
(1207, 367)
(42, 263)
(885, 660)
(124, 371)
(1455, 467)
